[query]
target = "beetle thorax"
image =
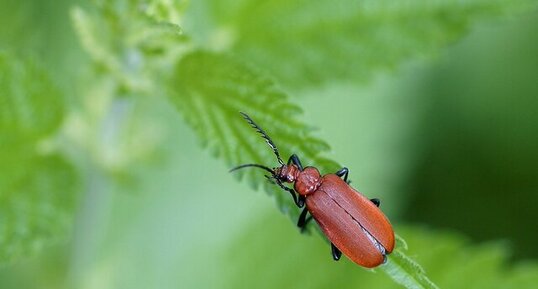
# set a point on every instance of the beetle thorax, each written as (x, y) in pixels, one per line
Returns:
(307, 181)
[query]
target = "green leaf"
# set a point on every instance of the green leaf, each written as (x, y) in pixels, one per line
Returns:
(41, 29)
(299, 261)
(37, 191)
(132, 45)
(30, 105)
(210, 89)
(170, 11)
(453, 262)
(406, 271)
(37, 200)
(128, 44)
(312, 42)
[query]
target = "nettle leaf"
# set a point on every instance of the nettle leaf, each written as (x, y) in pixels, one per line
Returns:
(406, 271)
(37, 203)
(210, 89)
(37, 191)
(453, 262)
(128, 43)
(24, 111)
(448, 258)
(312, 42)
(167, 10)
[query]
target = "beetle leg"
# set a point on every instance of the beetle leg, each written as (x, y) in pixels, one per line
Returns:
(295, 160)
(299, 202)
(270, 179)
(303, 220)
(336, 253)
(343, 172)
(376, 201)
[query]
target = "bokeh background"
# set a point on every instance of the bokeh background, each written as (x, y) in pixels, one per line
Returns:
(449, 144)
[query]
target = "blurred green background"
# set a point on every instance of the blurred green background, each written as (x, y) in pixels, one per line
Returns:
(448, 143)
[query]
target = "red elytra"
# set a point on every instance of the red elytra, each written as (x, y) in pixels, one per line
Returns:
(353, 223)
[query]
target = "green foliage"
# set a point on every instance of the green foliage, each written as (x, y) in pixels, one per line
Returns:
(39, 30)
(451, 261)
(31, 106)
(37, 190)
(236, 56)
(406, 271)
(211, 89)
(128, 42)
(454, 263)
(305, 43)
(496, 201)
(132, 45)
(167, 10)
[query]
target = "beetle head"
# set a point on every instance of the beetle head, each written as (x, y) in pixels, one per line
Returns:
(286, 173)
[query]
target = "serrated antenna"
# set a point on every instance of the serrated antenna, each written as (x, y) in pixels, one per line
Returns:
(264, 135)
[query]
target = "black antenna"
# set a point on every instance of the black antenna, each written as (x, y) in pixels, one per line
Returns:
(264, 135)
(253, 165)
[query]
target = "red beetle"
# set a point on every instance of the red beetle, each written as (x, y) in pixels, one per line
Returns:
(353, 223)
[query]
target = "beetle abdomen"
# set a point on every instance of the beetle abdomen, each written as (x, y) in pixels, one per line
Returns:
(348, 220)
(361, 208)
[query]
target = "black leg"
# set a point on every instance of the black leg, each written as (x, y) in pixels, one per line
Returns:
(336, 253)
(295, 160)
(376, 201)
(303, 220)
(299, 202)
(343, 172)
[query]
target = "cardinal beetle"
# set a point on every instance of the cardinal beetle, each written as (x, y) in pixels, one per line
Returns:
(353, 223)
